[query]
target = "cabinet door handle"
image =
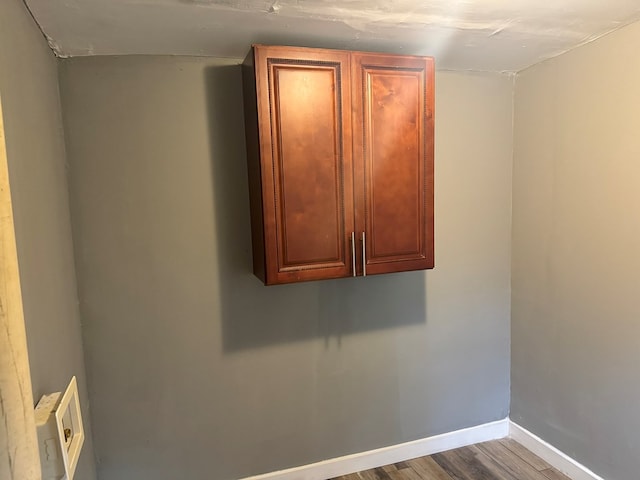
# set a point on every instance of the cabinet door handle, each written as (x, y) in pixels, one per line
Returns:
(353, 253)
(364, 256)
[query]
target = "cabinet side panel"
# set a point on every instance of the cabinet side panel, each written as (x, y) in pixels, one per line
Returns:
(253, 164)
(429, 159)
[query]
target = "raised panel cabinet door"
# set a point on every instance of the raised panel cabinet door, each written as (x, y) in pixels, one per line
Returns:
(393, 128)
(304, 114)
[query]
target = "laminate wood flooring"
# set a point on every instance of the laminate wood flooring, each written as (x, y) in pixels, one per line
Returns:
(502, 459)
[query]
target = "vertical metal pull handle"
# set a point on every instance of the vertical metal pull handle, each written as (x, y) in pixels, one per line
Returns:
(353, 252)
(364, 256)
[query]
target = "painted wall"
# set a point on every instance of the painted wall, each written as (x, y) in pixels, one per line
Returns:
(576, 256)
(36, 156)
(198, 371)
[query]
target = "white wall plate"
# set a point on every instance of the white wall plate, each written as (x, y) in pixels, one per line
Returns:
(70, 430)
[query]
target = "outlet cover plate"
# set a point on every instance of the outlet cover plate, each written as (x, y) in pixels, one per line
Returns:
(70, 429)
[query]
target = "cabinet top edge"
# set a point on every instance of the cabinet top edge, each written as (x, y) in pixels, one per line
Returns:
(261, 46)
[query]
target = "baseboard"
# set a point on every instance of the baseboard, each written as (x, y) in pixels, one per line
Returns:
(393, 454)
(549, 453)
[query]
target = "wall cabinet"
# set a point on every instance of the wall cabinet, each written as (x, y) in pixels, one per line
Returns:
(340, 156)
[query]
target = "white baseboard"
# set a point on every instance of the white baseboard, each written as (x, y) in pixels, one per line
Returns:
(393, 454)
(551, 454)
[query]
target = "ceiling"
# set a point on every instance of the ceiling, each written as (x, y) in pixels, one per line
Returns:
(484, 35)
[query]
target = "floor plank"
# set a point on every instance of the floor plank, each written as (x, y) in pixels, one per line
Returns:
(495, 467)
(529, 457)
(503, 459)
(405, 474)
(390, 468)
(465, 464)
(371, 475)
(513, 464)
(553, 474)
(427, 467)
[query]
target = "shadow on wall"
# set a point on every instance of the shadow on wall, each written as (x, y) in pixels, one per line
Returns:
(254, 315)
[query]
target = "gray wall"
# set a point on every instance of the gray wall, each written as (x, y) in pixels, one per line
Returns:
(196, 370)
(576, 254)
(36, 156)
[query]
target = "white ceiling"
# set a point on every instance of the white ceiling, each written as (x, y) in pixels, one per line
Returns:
(488, 35)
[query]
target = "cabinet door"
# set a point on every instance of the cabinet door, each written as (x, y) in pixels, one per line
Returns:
(304, 113)
(393, 129)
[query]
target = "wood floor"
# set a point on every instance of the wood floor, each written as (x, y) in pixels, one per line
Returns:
(497, 460)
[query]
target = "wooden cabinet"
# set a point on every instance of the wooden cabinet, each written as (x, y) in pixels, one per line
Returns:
(340, 156)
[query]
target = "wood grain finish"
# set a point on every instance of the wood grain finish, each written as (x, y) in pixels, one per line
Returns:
(306, 184)
(305, 101)
(252, 135)
(338, 143)
(495, 460)
(393, 141)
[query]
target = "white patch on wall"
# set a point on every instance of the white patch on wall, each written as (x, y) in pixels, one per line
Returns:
(60, 433)
(491, 35)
